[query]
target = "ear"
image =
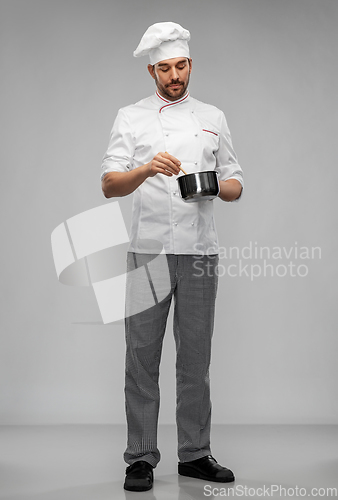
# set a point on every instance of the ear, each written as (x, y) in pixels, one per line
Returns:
(190, 64)
(151, 70)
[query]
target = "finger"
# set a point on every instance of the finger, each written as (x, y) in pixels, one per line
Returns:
(166, 164)
(173, 159)
(166, 160)
(163, 171)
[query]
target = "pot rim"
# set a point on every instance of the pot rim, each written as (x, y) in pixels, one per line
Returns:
(198, 172)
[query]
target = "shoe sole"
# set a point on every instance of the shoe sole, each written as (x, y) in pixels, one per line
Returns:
(137, 487)
(187, 471)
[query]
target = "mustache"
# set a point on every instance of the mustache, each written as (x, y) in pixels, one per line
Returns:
(174, 82)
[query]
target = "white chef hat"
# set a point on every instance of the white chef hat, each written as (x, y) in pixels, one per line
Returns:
(164, 41)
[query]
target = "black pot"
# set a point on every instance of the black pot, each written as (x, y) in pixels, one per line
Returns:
(199, 186)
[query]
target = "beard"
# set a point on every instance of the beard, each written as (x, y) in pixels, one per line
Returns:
(172, 94)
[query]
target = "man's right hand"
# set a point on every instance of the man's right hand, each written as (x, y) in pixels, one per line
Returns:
(124, 183)
(163, 163)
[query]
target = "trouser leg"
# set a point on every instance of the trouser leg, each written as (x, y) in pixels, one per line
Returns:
(144, 338)
(195, 296)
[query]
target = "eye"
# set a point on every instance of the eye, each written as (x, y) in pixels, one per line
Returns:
(165, 70)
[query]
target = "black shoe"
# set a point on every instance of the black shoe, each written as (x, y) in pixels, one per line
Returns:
(139, 476)
(206, 468)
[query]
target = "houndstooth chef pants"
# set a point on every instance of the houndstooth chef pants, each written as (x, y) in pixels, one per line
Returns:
(193, 284)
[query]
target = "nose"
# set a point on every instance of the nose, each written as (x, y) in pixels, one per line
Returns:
(174, 73)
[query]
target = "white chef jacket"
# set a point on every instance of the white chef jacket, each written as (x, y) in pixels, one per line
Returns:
(198, 136)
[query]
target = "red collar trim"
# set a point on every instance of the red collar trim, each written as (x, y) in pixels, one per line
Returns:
(171, 103)
(162, 98)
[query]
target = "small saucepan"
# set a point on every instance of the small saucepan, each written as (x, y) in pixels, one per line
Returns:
(199, 186)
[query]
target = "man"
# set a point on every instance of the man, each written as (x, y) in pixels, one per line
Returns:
(150, 141)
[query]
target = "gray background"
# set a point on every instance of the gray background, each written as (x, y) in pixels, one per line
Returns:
(271, 66)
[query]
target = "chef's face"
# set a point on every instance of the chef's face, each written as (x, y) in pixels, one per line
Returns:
(171, 77)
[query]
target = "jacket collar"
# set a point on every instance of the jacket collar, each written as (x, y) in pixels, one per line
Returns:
(164, 103)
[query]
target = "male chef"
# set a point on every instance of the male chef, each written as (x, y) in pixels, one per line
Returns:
(150, 141)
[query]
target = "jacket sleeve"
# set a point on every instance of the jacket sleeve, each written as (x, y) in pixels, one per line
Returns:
(226, 159)
(120, 152)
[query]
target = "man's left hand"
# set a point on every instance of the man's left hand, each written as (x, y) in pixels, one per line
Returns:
(230, 190)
